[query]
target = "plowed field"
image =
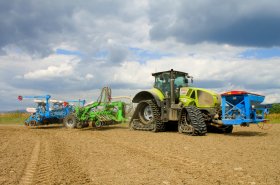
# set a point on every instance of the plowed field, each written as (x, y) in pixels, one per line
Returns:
(116, 155)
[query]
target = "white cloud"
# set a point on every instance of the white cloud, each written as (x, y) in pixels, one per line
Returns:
(50, 72)
(83, 80)
(91, 27)
(89, 76)
(259, 76)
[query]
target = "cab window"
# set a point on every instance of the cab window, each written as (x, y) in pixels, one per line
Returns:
(193, 95)
(180, 81)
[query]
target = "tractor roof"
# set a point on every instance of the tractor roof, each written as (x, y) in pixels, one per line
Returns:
(158, 73)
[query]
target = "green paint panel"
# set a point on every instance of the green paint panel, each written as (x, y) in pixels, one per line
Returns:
(202, 98)
(158, 93)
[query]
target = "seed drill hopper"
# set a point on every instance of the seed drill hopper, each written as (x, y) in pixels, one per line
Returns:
(243, 108)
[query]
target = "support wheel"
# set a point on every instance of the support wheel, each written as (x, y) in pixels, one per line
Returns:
(224, 129)
(228, 129)
(70, 121)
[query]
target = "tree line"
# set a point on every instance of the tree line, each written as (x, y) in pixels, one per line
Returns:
(275, 109)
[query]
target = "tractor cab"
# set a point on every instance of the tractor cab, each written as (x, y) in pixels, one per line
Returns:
(170, 82)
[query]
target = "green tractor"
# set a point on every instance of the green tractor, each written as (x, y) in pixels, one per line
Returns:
(173, 100)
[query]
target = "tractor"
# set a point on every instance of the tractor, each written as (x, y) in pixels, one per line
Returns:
(173, 100)
(195, 110)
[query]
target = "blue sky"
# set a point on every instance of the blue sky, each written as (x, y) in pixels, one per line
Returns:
(61, 51)
(261, 53)
(71, 49)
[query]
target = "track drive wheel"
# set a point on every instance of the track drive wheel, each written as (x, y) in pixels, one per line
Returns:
(192, 122)
(70, 121)
(149, 117)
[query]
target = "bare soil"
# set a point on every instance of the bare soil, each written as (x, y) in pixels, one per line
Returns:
(116, 155)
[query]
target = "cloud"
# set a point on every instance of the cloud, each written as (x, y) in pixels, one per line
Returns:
(36, 27)
(71, 49)
(240, 23)
(65, 77)
(89, 76)
(51, 72)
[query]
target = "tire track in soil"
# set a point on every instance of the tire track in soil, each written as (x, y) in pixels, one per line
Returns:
(166, 158)
(192, 166)
(44, 172)
(31, 167)
(188, 166)
(67, 168)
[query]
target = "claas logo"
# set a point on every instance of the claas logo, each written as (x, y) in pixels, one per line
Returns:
(20, 98)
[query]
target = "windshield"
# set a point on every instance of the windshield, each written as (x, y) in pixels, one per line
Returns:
(162, 81)
(180, 81)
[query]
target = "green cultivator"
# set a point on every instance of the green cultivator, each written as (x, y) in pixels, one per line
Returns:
(99, 113)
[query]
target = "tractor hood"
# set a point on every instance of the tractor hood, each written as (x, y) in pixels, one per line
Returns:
(203, 98)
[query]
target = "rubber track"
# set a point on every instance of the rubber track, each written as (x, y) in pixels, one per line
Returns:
(197, 120)
(156, 126)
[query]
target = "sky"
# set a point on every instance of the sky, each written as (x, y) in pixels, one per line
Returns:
(71, 49)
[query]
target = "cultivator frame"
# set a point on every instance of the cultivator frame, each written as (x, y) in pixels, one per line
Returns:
(100, 113)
